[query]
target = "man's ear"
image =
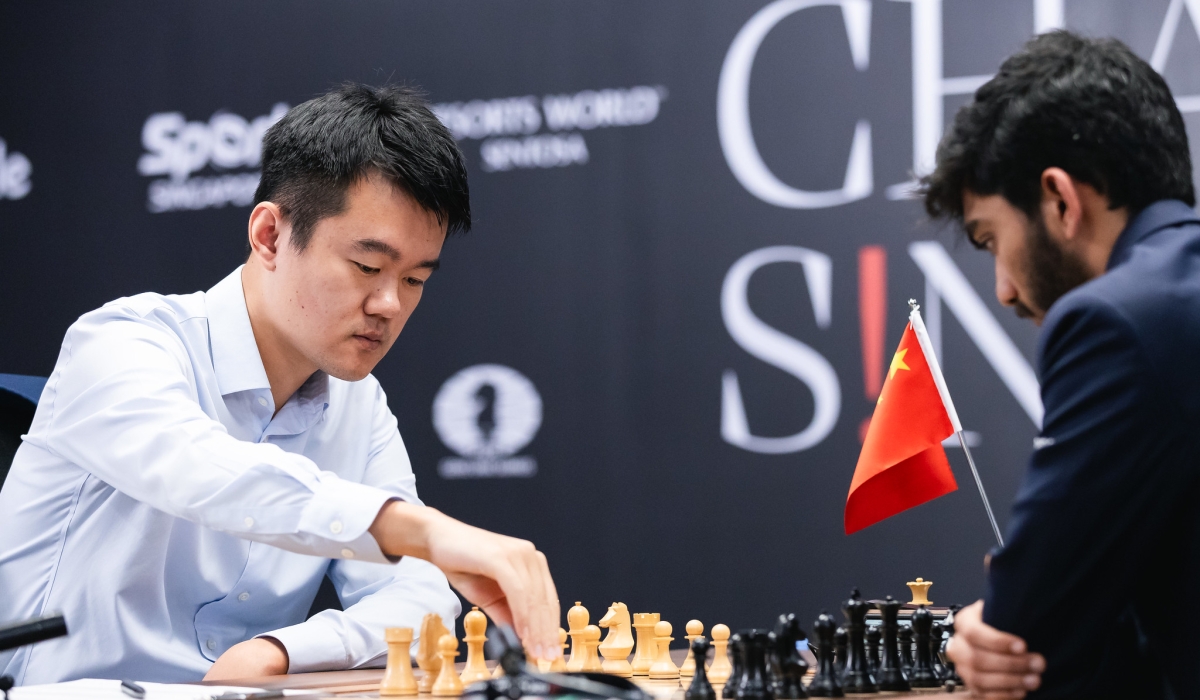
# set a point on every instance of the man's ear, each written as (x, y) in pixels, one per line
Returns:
(268, 233)
(1062, 209)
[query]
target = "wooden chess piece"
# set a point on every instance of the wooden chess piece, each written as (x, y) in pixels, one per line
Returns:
(789, 664)
(694, 629)
(664, 668)
(475, 626)
(591, 641)
(839, 650)
(754, 674)
(874, 639)
(856, 678)
(559, 665)
(737, 652)
(577, 622)
(398, 678)
(619, 642)
(700, 688)
(922, 674)
(920, 591)
(936, 632)
(948, 625)
(827, 682)
(719, 671)
(447, 683)
(647, 648)
(428, 659)
(905, 636)
(890, 676)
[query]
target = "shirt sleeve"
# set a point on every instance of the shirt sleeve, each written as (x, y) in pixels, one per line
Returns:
(124, 406)
(1096, 497)
(375, 597)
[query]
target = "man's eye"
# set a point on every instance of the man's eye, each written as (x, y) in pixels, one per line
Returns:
(415, 281)
(367, 270)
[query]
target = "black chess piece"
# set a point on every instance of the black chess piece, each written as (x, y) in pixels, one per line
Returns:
(737, 644)
(948, 625)
(922, 674)
(700, 689)
(789, 666)
(890, 675)
(827, 682)
(754, 684)
(905, 635)
(839, 650)
(874, 637)
(856, 677)
(936, 631)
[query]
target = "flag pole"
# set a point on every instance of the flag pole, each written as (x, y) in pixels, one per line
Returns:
(932, 360)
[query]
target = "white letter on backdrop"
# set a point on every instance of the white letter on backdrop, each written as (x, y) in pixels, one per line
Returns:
(779, 350)
(733, 110)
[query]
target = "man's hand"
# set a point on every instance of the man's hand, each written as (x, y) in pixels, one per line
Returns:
(994, 664)
(262, 656)
(506, 577)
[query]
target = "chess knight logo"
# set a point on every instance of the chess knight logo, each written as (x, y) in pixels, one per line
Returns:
(487, 414)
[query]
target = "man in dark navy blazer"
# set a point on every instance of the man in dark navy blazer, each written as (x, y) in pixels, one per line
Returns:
(1072, 168)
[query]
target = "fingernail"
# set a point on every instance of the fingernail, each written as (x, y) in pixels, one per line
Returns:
(1018, 647)
(1038, 664)
(1031, 682)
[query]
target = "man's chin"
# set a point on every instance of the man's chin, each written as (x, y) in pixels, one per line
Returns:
(350, 372)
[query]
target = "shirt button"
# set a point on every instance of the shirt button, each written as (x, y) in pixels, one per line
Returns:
(244, 596)
(335, 527)
(211, 644)
(249, 522)
(262, 401)
(348, 553)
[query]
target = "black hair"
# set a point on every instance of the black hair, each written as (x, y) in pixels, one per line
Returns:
(1088, 106)
(320, 148)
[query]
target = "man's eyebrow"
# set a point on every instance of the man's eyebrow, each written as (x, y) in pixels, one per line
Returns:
(374, 245)
(430, 264)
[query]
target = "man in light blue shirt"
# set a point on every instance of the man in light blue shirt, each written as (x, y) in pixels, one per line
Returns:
(199, 462)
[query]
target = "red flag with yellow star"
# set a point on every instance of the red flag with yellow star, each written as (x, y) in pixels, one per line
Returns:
(902, 463)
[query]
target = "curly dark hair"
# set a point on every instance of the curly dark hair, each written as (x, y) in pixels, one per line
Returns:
(1088, 106)
(320, 148)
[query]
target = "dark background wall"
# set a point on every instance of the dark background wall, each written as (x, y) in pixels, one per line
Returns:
(597, 277)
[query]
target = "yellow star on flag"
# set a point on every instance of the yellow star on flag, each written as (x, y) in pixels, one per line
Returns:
(898, 363)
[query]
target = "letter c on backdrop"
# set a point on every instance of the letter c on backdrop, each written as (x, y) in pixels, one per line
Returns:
(733, 110)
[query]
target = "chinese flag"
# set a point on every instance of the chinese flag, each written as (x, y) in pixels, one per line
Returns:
(902, 463)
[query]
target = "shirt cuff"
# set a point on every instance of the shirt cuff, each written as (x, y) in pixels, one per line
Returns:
(312, 647)
(341, 512)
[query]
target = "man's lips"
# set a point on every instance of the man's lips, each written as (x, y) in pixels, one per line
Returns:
(368, 341)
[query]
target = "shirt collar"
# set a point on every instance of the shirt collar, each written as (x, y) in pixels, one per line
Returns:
(236, 361)
(1154, 218)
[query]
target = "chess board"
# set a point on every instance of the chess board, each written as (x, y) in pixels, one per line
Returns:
(365, 683)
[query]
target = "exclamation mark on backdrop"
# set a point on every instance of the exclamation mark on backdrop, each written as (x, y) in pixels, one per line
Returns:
(872, 320)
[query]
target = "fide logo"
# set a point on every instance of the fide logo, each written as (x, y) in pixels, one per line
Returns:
(487, 413)
(14, 173)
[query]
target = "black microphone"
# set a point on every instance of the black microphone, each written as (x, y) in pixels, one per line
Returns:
(38, 629)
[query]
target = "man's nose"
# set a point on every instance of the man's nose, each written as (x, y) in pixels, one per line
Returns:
(1006, 291)
(384, 302)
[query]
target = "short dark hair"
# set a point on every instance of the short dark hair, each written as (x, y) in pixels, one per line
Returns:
(1088, 106)
(320, 148)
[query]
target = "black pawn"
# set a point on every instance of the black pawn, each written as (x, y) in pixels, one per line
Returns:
(754, 668)
(856, 678)
(922, 674)
(839, 650)
(936, 632)
(890, 675)
(700, 689)
(874, 637)
(827, 682)
(906, 648)
(790, 667)
(948, 625)
(736, 644)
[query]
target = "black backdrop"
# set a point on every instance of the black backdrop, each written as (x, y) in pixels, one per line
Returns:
(609, 216)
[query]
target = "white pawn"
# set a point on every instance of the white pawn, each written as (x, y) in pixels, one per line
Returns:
(664, 668)
(720, 668)
(475, 625)
(695, 630)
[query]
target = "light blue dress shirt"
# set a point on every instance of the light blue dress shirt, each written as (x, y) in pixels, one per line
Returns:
(158, 504)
